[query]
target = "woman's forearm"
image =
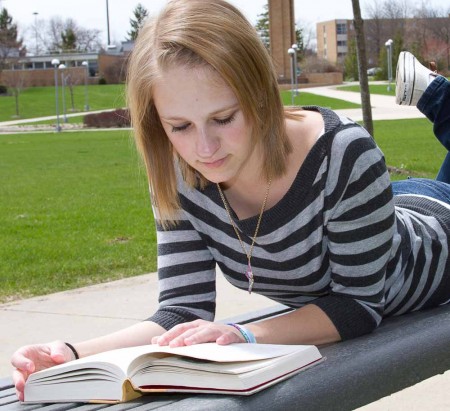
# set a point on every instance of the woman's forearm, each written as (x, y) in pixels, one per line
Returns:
(306, 325)
(137, 334)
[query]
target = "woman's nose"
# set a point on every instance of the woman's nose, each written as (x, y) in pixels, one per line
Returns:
(207, 144)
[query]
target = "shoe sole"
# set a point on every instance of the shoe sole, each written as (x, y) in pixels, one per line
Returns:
(404, 91)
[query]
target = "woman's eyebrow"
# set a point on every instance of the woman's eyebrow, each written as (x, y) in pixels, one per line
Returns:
(215, 112)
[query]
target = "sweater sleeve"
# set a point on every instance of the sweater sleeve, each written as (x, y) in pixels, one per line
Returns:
(186, 273)
(359, 229)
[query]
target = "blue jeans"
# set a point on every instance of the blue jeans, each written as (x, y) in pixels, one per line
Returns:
(435, 104)
(431, 188)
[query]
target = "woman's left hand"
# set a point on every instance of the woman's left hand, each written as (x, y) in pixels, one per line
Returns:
(198, 332)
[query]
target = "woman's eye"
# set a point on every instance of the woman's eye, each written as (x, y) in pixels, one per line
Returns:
(223, 121)
(179, 128)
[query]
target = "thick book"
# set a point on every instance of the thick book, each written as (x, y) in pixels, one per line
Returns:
(127, 373)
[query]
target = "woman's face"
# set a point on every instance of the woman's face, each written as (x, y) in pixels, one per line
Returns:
(204, 122)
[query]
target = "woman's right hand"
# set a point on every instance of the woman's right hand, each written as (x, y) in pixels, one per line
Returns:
(31, 358)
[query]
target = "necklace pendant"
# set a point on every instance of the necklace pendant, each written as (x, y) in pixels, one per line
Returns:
(249, 275)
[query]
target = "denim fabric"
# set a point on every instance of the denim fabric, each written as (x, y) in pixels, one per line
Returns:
(431, 188)
(435, 104)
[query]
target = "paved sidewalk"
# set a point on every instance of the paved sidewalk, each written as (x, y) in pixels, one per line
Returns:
(383, 107)
(99, 309)
(92, 311)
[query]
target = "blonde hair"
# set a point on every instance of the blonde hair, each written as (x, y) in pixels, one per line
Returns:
(212, 33)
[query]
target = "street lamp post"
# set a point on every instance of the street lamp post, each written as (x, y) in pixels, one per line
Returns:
(85, 64)
(36, 33)
(295, 47)
(291, 52)
(107, 22)
(55, 64)
(62, 67)
(388, 45)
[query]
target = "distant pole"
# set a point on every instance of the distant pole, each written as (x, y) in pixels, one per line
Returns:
(86, 75)
(63, 84)
(295, 47)
(291, 52)
(55, 64)
(107, 22)
(35, 33)
(388, 45)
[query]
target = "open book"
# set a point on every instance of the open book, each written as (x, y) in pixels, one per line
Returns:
(125, 374)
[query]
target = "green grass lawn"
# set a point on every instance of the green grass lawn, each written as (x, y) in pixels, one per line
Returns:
(303, 98)
(373, 89)
(75, 210)
(40, 101)
(410, 146)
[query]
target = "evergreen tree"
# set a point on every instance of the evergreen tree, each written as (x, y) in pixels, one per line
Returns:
(351, 62)
(140, 14)
(10, 45)
(262, 26)
(300, 43)
(69, 40)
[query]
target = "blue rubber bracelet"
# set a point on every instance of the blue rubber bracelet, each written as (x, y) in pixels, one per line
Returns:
(246, 333)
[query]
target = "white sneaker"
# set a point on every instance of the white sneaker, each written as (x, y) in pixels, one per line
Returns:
(412, 78)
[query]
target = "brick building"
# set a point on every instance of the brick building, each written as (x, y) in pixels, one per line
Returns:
(109, 65)
(427, 38)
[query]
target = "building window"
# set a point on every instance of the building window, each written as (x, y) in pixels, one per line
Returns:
(342, 43)
(341, 28)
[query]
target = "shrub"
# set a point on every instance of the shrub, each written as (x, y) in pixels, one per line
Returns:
(102, 81)
(108, 119)
(314, 64)
(3, 90)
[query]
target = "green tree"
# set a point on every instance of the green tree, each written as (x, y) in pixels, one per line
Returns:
(397, 47)
(140, 15)
(10, 44)
(69, 39)
(351, 62)
(262, 26)
(299, 39)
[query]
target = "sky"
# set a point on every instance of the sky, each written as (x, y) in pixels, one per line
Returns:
(92, 13)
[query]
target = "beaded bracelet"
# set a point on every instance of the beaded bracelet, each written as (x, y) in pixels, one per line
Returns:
(72, 348)
(246, 333)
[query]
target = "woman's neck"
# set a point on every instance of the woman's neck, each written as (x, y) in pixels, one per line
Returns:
(246, 193)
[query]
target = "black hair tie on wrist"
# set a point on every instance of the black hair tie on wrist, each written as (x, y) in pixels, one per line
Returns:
(72, 348)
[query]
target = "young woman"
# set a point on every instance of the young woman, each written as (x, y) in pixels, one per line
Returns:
(295, 204)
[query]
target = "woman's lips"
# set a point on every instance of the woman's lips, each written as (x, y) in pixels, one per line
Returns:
(214, 164)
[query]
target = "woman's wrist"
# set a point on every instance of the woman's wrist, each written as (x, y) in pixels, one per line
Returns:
(245, 332)
(74, 351)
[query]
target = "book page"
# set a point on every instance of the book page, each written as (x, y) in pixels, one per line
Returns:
(233, 353)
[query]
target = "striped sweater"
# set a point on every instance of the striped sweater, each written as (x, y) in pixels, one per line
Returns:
(337, 239)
